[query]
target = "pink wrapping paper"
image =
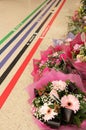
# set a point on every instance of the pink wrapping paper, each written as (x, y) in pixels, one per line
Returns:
(77, 40)
(50, 76)
(51, 50)
(44, 56)
(72, 127)
(79, 66)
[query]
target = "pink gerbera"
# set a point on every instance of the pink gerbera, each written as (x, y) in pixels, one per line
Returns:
(70, 102)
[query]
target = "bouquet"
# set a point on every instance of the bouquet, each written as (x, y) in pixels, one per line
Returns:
(52, 58)
(78, 20)
(58, 102)
(78, 54)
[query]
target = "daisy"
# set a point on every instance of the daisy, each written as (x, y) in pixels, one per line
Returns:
(70, 102)
(47, 112)
(59, 85)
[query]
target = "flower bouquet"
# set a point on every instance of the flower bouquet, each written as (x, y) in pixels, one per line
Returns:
(58, 102)
(78, 54)
(52, 58)
(78, 20)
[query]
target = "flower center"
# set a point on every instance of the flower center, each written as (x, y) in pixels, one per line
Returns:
(69, 103)
(48, 111)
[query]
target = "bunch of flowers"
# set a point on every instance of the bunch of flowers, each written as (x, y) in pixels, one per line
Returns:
(58, 100)
(52, 58)
(78, 49)
(58, 95)
(78, 54)
(83, 7)
(78, 20)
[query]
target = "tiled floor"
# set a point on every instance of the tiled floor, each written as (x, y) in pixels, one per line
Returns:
(15, 112)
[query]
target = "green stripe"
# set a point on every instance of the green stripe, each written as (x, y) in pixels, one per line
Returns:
(20, 24)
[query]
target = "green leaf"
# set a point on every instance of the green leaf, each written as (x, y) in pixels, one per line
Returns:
(37, 102)
(51, 106)
(77, 121)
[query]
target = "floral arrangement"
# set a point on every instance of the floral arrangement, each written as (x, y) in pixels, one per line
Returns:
(58, 93)
(83, 7)
(78, 48)
(78, 20)
(52, 58)
(58, 100)
(78, 54)
(68, 58)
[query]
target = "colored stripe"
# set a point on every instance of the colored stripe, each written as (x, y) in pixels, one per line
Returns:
(5, 59)
(10, 67)
(20, 24)
(22, 29)
(17, 75)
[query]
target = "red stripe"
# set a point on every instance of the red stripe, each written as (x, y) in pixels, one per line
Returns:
(17, 75)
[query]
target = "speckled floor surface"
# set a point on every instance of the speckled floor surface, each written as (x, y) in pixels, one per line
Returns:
(15, 112)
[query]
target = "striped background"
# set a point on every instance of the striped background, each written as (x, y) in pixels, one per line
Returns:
(14, 49)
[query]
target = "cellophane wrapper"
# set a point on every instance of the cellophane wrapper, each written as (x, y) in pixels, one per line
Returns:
(51, 76)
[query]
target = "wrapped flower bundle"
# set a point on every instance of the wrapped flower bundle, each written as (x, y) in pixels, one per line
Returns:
(78, 20)
(58, 102)
(53, 58)
(58, 95)
(78, 54)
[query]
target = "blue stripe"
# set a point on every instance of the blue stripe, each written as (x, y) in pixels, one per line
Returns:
(17, 34)
(23, 38)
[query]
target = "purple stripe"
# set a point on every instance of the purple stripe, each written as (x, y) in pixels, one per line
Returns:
(23, 38)
(16, 46)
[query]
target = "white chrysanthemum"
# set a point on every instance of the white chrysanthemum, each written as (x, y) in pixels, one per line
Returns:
(59, 85)
(47, 112)
(70, 102)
